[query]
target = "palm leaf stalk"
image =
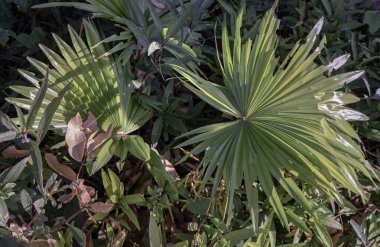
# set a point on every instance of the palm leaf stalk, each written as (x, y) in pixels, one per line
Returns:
(288, 118)
(98, 84)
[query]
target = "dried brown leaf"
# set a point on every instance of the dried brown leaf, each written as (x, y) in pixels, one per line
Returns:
(101, 207)
(62, 170)
(75, 138)
(66, 197)
(12, 152)
(94, 143)
(90, 124)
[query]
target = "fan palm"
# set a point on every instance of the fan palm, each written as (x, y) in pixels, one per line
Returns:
(288, 118)
(98, 84)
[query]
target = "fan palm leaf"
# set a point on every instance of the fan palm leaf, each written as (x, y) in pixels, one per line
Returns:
(288, 118)
(98, 84)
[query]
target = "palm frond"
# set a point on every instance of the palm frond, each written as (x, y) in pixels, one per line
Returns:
(288, 118)
(98, 84)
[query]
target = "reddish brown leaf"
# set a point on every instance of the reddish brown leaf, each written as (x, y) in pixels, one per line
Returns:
(75, 138)
(12, 152)
(101, 207)
(94, 143)
(62, 170)
(66, 197)
(84, 193)
(84, 198)
(90, 124)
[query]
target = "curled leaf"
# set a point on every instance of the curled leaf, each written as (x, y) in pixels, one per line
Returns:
(75, 138)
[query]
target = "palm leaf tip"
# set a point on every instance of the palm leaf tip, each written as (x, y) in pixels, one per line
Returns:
(289, 118)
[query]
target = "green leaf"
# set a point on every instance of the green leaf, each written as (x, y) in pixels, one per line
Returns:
(287, 117)
(117, 187)
(7, 136)
(4, 213)
(104, 156)
(26, 201)
(297, 221)
(44, 123)
(79, 235)
(154, 232)
(7, 122)
(97, 83)
(372, 18)
(134, 199)
(128, 211)
(238, 235)
(138, 148)
(37, 165)
(12, 174)
(107, 183)
(35, 107)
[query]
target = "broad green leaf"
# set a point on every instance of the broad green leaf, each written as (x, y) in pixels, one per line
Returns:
(104, 156)
(138, 148)
(107, 183)
(155, 238)
(134, 199)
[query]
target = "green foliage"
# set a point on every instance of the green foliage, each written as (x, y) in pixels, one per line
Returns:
(270, 160)
(288, 118)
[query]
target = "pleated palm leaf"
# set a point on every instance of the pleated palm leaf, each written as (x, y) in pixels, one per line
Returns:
(288, 118)
(98, 84)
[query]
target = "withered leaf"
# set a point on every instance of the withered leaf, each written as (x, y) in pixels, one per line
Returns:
(101, 207)
(76, 138)
(66, 197)
(94, 143)
(84, 197)
(90, 124)
(62, 170)
(12, 152)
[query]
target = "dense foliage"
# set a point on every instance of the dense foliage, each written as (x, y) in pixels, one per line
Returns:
(189, 123)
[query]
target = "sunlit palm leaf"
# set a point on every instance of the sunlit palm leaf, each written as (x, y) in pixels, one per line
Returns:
(288, 118)
(98, 84)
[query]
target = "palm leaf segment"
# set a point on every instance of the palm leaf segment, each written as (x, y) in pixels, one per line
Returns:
(288, 118)
(98, 84)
